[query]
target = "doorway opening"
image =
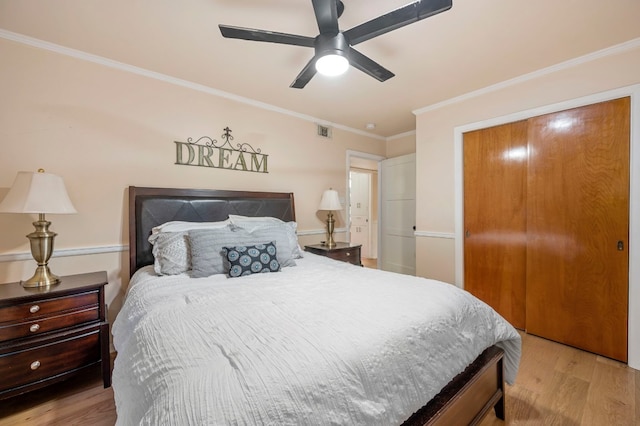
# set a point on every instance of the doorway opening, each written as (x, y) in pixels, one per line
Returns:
(362, 196)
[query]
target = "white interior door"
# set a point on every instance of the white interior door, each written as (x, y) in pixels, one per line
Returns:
(360, 205)
(398, 215)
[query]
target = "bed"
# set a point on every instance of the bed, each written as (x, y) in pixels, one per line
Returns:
(321, 342)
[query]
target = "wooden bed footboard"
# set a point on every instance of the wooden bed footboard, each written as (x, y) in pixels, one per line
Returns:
(469, 396)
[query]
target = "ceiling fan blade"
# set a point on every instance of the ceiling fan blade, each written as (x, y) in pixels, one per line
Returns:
(405, 15)
(368, 66)
(263, 35)
(305, 75)
(326, 15)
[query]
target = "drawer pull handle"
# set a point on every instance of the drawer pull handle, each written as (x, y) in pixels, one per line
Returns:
(35, 365)
(348, 254)
(34, 328)
(34, 309)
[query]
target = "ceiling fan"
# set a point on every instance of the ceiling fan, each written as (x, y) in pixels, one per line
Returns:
(335, 45)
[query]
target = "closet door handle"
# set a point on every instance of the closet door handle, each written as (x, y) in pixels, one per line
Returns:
(620, 245)
(467, 234)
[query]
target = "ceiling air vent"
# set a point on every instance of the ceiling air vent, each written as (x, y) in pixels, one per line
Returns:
(324, 131)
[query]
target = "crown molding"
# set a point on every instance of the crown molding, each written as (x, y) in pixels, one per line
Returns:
(401, 135)
(598, 54)
(100, 60)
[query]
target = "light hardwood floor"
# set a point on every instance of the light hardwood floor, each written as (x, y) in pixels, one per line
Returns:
(369, 263)
(561, 385)
(556, 385)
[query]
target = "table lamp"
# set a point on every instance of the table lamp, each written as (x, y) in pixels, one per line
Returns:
(39, 193)
(330, 202)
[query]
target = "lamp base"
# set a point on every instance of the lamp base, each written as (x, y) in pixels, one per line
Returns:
(41, 278)
(41, 241)
(330, 227)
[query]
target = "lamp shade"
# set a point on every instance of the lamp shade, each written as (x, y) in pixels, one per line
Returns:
(330, 200)
(39, 192)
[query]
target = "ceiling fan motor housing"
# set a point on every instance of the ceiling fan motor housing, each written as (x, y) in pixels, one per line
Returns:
(331, 44)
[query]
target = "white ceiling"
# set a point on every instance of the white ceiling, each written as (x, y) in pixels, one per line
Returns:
(474, 45)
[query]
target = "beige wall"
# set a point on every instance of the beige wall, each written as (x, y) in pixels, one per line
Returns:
(438, 146)
(401, 145)
(103, 129)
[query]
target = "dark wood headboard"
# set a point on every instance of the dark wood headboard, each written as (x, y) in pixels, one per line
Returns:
(149, 207)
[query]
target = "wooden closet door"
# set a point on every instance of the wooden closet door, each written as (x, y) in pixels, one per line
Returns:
(495, 171)
(577, 227)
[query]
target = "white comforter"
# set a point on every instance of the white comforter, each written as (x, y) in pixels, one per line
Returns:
(321, 343)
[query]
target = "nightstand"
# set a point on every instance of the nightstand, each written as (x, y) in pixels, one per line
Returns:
(345, 252)
(49, 335)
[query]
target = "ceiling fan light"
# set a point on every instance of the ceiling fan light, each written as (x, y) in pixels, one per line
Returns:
(332, 65)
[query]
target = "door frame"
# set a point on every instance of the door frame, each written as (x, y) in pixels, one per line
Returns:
(367, 156)
(634, 195)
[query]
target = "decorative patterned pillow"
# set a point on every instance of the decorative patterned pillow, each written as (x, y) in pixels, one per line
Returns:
(170, 253)
(247, 260)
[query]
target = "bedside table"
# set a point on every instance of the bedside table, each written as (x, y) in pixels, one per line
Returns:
(345, 252)
(47, 336)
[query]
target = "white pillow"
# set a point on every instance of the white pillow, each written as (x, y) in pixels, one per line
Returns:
(171, 251)
(293, 240)
(180, 226)
(251, 224)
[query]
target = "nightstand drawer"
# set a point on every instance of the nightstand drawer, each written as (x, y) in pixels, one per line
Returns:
(52, 322)
(50, 335)
(48, 360)
(343, 252)
(39, 308)
(349, 255)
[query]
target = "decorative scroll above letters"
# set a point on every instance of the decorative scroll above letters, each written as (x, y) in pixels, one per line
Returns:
(206, 152)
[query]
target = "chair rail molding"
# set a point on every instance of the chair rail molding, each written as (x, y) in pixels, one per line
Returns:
(82, 251)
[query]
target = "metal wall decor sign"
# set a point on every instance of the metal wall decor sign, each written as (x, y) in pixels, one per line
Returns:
(207, 152)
